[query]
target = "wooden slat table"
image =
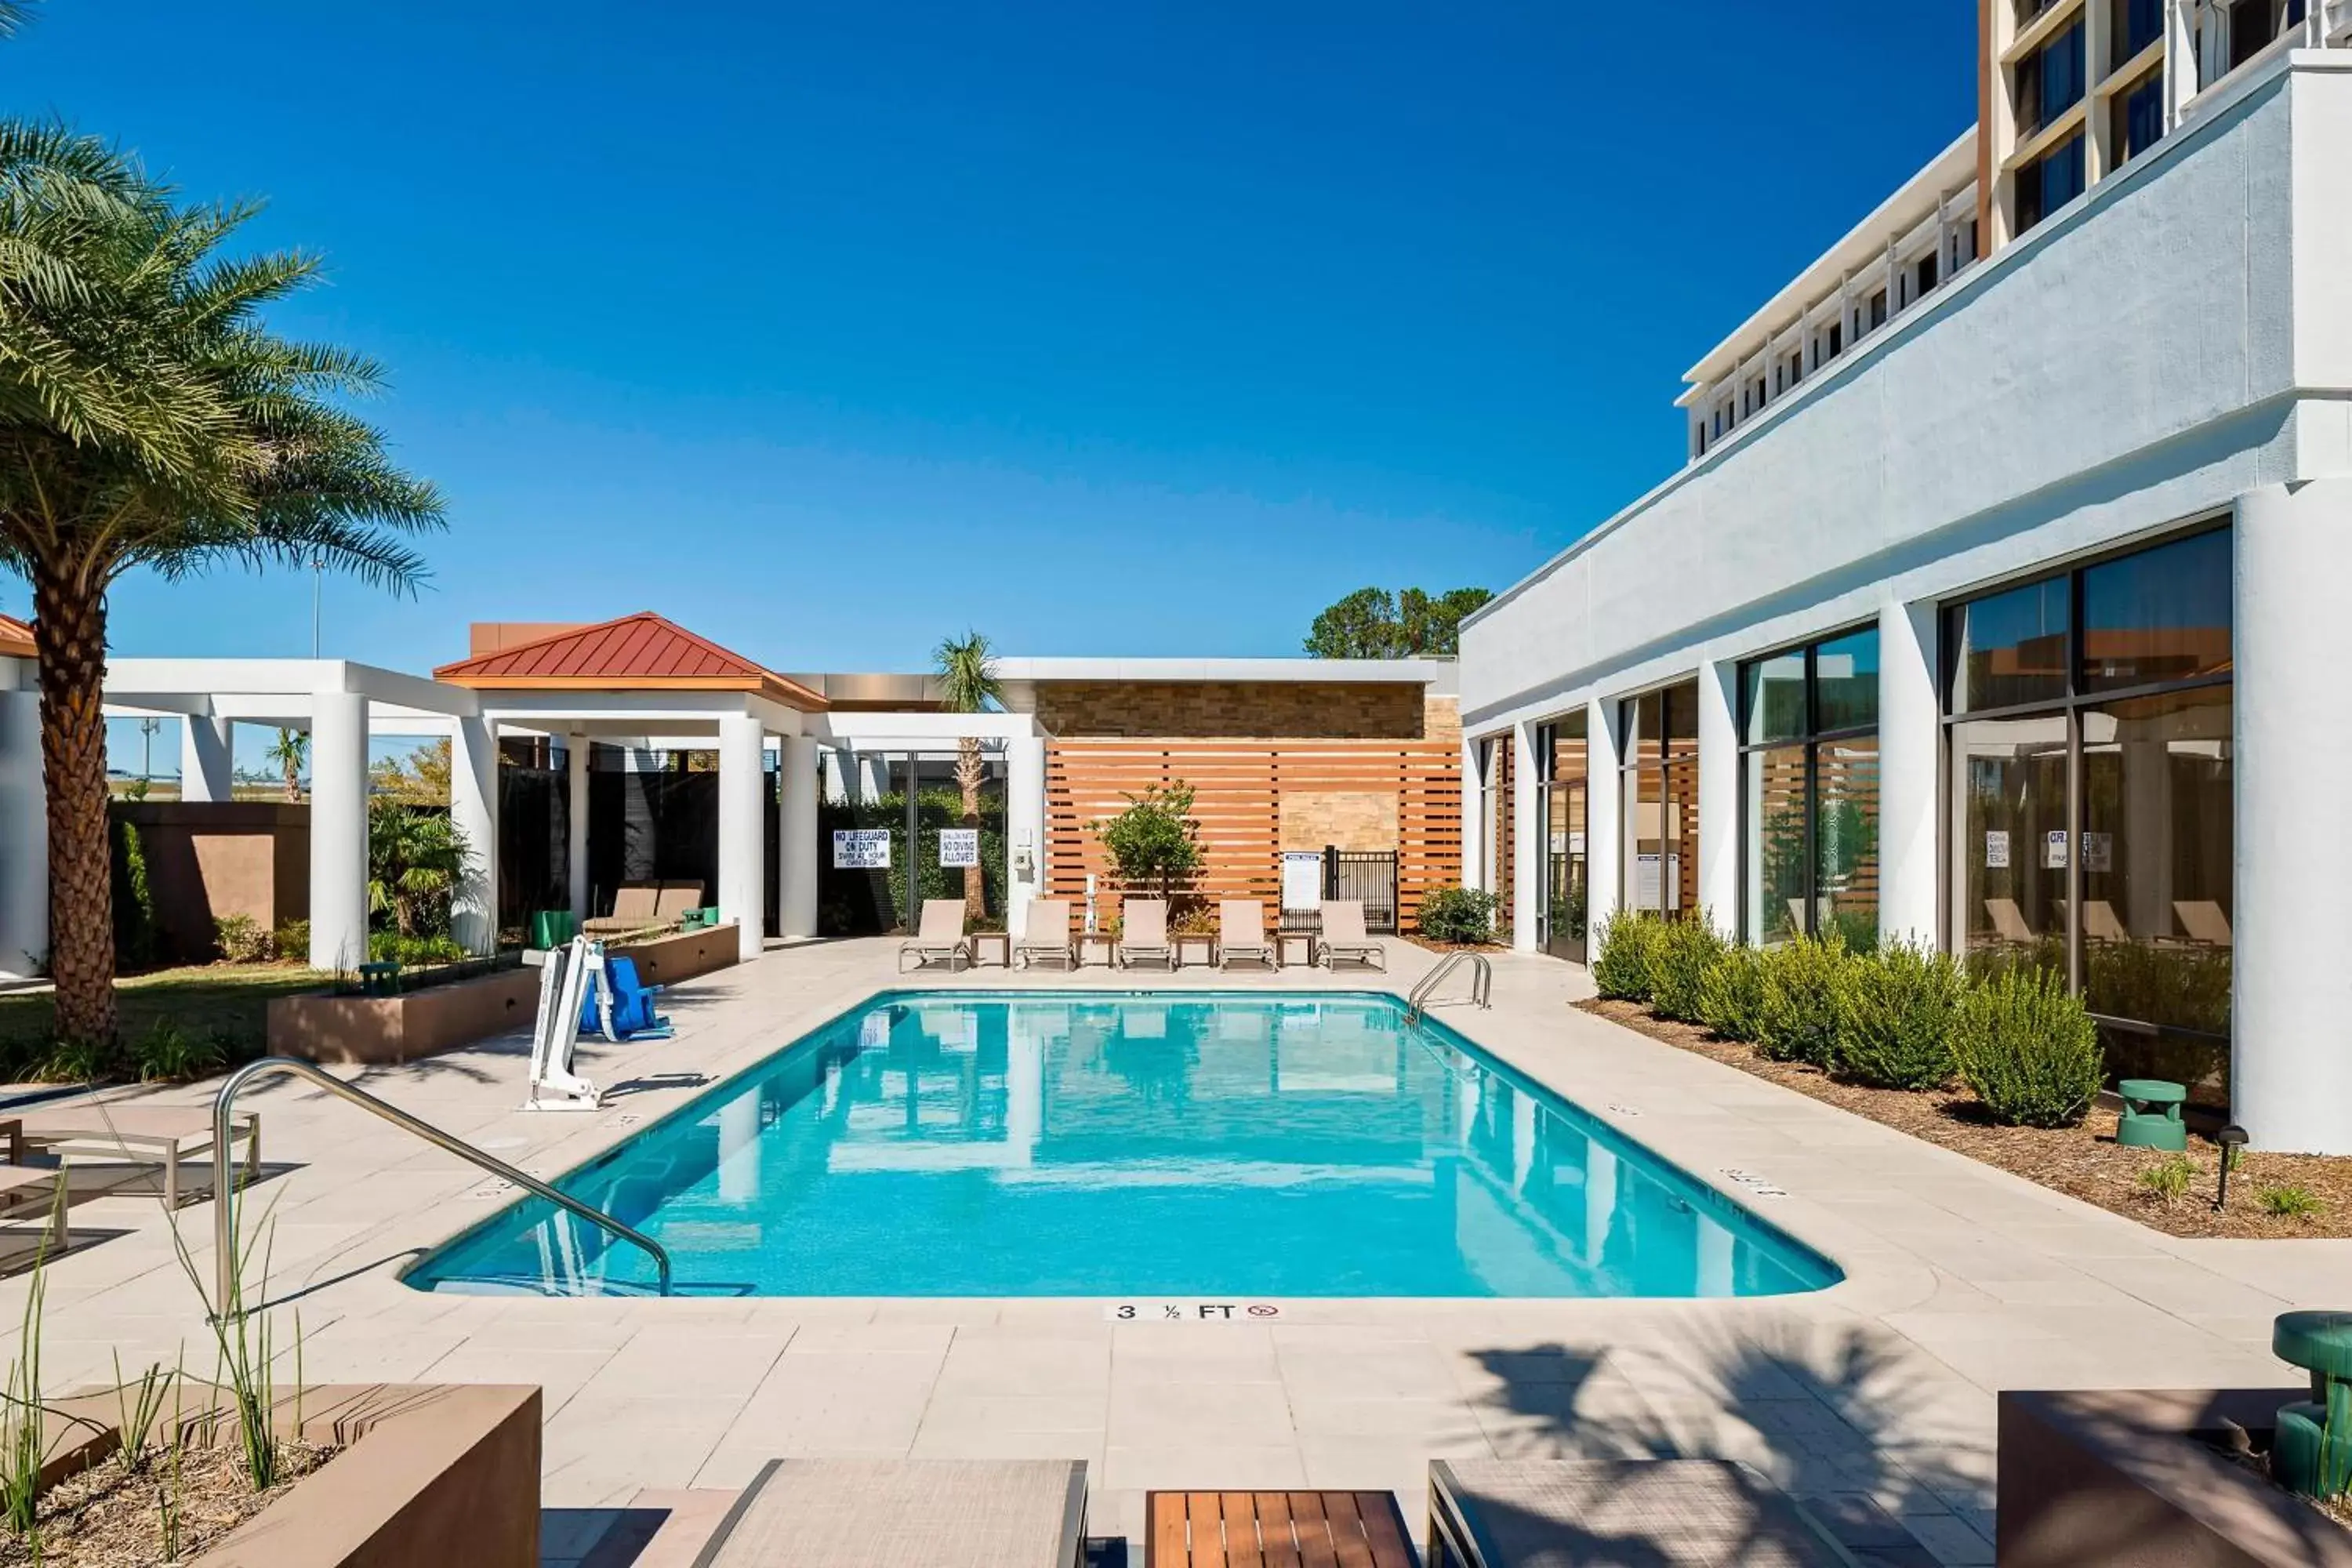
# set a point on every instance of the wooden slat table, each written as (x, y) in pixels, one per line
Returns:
(1274, 1530)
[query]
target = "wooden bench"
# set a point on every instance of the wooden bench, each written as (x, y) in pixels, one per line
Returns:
(1274, 1530)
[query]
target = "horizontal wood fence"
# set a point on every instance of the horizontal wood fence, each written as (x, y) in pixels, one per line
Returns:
(1239, 788)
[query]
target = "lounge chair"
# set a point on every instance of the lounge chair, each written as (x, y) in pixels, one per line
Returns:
(940, 939)
(675, 902)
(1669, 1513)
(635, 908)
(2203, 920)
(1343, 937)
(1143, 933)
(893, 1513)
(1241, 935)
(145, 1134)
(2009, 920)
(1046, 935)
(2100, 922)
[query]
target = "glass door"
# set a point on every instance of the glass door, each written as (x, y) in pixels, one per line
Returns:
(1565, 902)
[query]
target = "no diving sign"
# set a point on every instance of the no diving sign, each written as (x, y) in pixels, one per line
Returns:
(1191, 1311)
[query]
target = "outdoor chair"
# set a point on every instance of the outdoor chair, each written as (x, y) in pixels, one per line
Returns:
(1046, 935)
(2100, 922)
(1241, 935)
(940, 939)
(1664, 1513)
(1344, 940)
(2203, 920)
(1143, 933)
(161, 1135)
(634, 909)
(894, 1514)
(2009, 920)
(675, 902)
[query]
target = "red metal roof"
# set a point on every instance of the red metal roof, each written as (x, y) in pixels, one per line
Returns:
(15, 638)
(643, 651)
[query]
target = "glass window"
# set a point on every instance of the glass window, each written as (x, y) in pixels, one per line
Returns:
(2009, 830)
(1778, 804)
(2062, 74)
(1845, 682)
(2009, 649)
(1845, 838)
(1809, 792)
(1659, 866)
(1772, 695)
(2160, 615)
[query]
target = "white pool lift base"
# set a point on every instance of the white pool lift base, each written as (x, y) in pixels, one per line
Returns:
(563, 980)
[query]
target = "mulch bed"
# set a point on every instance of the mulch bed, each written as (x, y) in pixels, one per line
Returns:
(2083, 1162)
(105, 1517)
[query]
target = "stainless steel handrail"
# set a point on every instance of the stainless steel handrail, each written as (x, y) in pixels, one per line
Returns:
(1482, 981)
(225, 1184)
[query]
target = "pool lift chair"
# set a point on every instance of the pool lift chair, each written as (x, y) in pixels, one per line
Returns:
(564, 982)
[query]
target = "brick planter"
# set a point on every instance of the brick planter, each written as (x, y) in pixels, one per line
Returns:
(2124, 1479)
(682, 955)
(421, 1023)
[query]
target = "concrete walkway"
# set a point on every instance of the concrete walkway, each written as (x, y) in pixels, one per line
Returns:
(1874, 1397)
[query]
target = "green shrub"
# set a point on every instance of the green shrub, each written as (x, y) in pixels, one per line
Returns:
(241, 939)
(1731, 997)
(1805, 986)
(2028, 1049)
(1626, 943)
(414, 951)
(291, 940)
(135, 900)
(1685, 951)
(1457, 914)
(78, 1061)
(1897, 1028)
(2289, 1203)
(2168, 1180)
(169, 1052)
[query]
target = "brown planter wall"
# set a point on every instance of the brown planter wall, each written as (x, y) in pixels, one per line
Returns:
(682, 955)
(381, 1029)
(2117, 1478)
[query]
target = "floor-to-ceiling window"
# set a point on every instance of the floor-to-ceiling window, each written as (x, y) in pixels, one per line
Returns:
(1562, 745)
(2090, 750)
(1809, 785)
(1658, 800)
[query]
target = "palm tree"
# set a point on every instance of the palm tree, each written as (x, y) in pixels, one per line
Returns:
(289, 751)
(969, 684)
(149, 417)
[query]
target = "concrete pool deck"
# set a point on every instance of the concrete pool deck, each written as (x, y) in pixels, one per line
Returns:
(1874, 1397)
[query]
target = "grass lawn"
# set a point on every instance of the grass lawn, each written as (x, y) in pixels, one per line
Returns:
(227, 999)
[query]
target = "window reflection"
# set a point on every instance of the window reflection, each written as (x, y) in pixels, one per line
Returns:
(1777, 801)
(2012, 648)
(1809, 813)
(2009, 803)
(1659, 791)
(2159, 615)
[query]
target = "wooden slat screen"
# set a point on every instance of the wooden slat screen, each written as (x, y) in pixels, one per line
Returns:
(1238, 788)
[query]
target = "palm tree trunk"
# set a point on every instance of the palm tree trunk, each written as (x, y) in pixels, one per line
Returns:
(69, 627)
(968, 780)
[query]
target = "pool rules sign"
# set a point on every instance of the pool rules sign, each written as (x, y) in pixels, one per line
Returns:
(861, 849)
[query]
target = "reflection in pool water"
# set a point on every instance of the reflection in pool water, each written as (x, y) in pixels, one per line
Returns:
(930, 1145)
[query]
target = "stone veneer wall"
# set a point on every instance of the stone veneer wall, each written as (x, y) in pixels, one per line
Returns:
(1333, 710)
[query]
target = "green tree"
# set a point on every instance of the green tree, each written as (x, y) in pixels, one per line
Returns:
(415, 857)
(969, 684)
(423, 779)
(289, 751)
(1370, 622)
(150, 418)
(1154, 838)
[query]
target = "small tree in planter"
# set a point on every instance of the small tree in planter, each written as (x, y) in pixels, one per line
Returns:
(1154, 839)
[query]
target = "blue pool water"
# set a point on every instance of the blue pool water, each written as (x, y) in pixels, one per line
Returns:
(1119, 1145)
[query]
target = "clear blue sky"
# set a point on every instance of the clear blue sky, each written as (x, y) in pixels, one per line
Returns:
(1127, 329)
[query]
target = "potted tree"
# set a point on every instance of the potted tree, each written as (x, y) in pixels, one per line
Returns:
(1154, 842)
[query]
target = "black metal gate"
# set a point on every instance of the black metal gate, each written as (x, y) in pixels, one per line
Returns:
(1368, 876)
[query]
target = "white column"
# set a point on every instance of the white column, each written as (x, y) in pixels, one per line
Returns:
(836, 790)
(474, 813)
(1474, 814)
(1024, 822)
(1718, 793)
(871, 779)
(738, 1149)
(797, 837)
(575, 823)
(1527, 836)
(206, 770)
(2291, 1077)
(24, 828)
(1910, 751)
(742, 837)
(1604, 832)
(338, 830)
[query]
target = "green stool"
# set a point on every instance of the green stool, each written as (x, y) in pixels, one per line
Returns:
(551, 927)
(2312, 1453)
(380, 979)
(2151, 1117)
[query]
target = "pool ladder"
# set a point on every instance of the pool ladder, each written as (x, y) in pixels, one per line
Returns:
(225, 1245)
(1482, 981)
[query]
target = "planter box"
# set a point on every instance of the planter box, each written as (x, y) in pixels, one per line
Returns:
(381, 1029)
(682, 955)
(441, 1474)
(2124, 1478)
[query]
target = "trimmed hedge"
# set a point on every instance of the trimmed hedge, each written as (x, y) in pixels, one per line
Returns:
(1805, 986)
(1731, 998)
(2029, 1050)
(1895, 1031)
(1681, 956)
(1627, 943)
(1457, 914)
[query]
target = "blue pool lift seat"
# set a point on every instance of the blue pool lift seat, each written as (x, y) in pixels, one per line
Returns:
(620, 1008)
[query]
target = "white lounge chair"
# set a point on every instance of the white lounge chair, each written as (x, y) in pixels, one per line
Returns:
(1143, 933)
(142, 1134)
(1047, 935)
(2100, 922)
(940, 939)
(1344, 939)
(2203, 920)
(2009, 920)
(893, 1513)
(1241, 935)
(635, 906)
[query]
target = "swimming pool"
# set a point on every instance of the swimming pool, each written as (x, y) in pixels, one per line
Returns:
(1130, 1145)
